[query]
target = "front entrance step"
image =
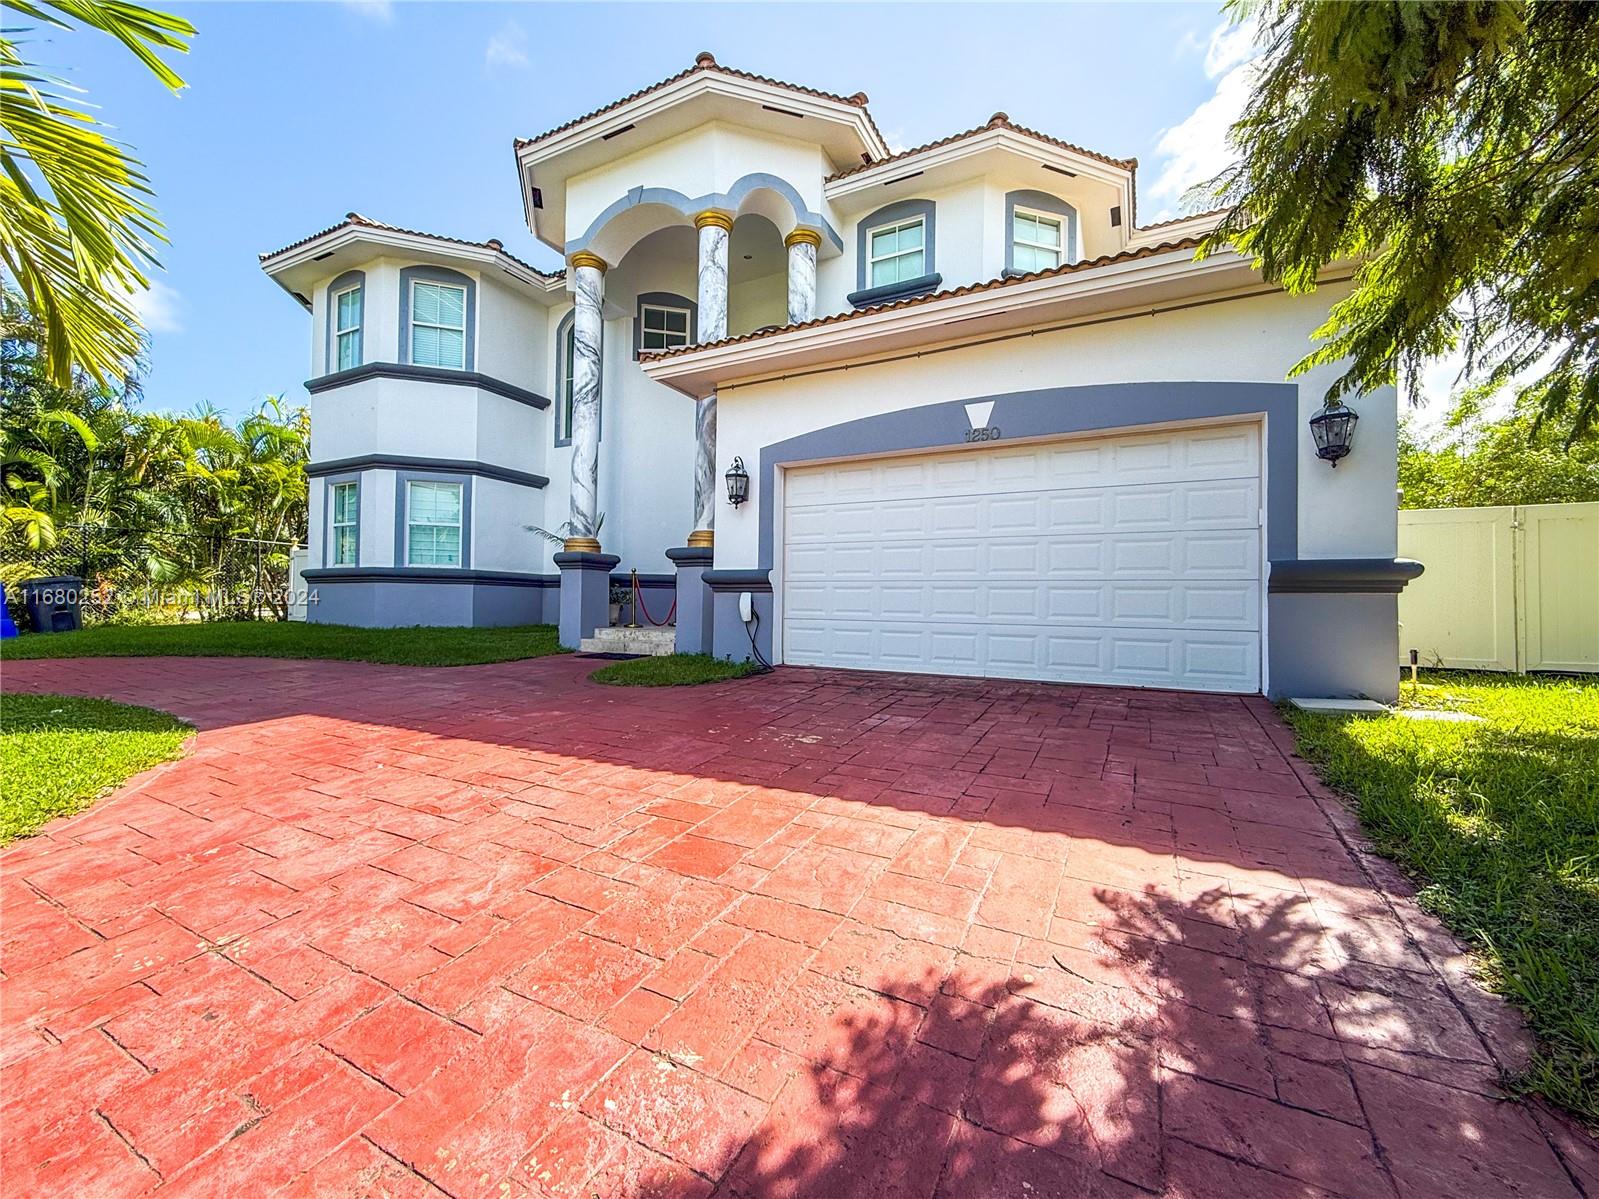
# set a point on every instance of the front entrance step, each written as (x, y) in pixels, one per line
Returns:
(653, 643)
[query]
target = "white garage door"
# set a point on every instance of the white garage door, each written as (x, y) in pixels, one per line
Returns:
(1132, 560)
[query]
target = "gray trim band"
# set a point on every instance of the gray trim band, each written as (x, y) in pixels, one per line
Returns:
(618, 579)
(426, 374)
(738, 580)
(1059, 411)
(889, 292)
(1342, 576)
(483, 470)
(426, 574)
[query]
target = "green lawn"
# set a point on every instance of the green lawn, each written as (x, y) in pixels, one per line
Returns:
(1499, 822)
(672, 670)
(294, 639)
(59, 753)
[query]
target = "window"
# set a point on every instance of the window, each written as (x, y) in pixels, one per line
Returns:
(433, 524)
(346, 523)
(347, 328)
(896, 253)
(1037, 241)
(564, 384)
(438, 324)
(662, 328)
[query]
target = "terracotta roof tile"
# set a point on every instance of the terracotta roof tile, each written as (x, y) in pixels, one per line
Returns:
(1178, 220)
(1071, 268)
(998, 121)
(366, 222)
(706, 63)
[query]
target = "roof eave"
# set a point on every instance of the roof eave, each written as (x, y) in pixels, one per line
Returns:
(1002, 307)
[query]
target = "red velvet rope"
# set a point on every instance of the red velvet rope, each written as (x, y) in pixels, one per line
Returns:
(638, 600)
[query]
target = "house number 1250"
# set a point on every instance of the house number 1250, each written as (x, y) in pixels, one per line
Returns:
(988, 433)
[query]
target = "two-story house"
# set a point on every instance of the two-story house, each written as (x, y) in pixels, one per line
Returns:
(948, 410)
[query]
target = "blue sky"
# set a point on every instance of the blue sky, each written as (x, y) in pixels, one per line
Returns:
(297, 113)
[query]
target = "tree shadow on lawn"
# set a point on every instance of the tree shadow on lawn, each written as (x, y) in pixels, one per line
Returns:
(1502, 827)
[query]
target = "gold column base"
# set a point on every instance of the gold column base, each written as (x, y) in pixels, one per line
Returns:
(702, 539)
(581, 545)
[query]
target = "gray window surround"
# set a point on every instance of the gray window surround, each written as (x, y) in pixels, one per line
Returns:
(901, 210)
(402, 504)
(426, 374)
(437, 274)
(329, 482)
(330, 349)
(1038, 201)
(562, 330)
(451, 466)
(664, 299)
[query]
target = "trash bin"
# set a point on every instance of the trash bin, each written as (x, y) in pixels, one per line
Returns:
(53, 603)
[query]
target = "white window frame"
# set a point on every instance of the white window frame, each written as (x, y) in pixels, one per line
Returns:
(335, 524)
(341, 332)
(667, 334)
(1053, 218)
(463, 328)
(459, 526)
(893, 227)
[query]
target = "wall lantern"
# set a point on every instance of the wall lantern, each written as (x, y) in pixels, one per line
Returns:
(738, 483)
(1334, 429)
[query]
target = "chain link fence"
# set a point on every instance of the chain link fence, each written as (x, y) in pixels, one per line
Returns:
(157, 576)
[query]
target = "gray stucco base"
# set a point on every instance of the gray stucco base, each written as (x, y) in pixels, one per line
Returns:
(730, 637)
(694, 606)
(403, 603)
(1334, 645)
(585, 595)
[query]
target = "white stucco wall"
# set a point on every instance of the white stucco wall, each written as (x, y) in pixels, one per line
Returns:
(705, 161)
(1348, 512)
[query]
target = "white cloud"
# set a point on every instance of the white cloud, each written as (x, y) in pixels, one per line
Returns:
(159, 308)
(373, 10)
(508, 47)
(1196, 148)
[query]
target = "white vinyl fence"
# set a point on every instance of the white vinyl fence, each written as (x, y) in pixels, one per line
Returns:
(1512, 589)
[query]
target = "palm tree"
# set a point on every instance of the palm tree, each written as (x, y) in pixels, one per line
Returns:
(76, 225)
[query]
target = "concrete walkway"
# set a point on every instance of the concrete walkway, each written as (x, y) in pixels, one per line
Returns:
(502, 931)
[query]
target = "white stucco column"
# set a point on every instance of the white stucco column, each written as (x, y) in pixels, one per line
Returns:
(714, 228)
(588, 274)
(802, 246)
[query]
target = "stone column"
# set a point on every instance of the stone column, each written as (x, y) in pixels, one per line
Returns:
(704, 472)
(714, 229)
(588, 273)
(802, 246)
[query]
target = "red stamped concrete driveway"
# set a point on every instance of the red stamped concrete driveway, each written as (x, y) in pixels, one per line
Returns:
(502, 931)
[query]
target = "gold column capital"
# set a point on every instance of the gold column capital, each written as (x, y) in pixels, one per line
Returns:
(805, 237)
(711, 217)
(588, 258)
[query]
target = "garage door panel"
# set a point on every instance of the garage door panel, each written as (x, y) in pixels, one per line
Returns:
(1154, 658)
(1132, 560)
